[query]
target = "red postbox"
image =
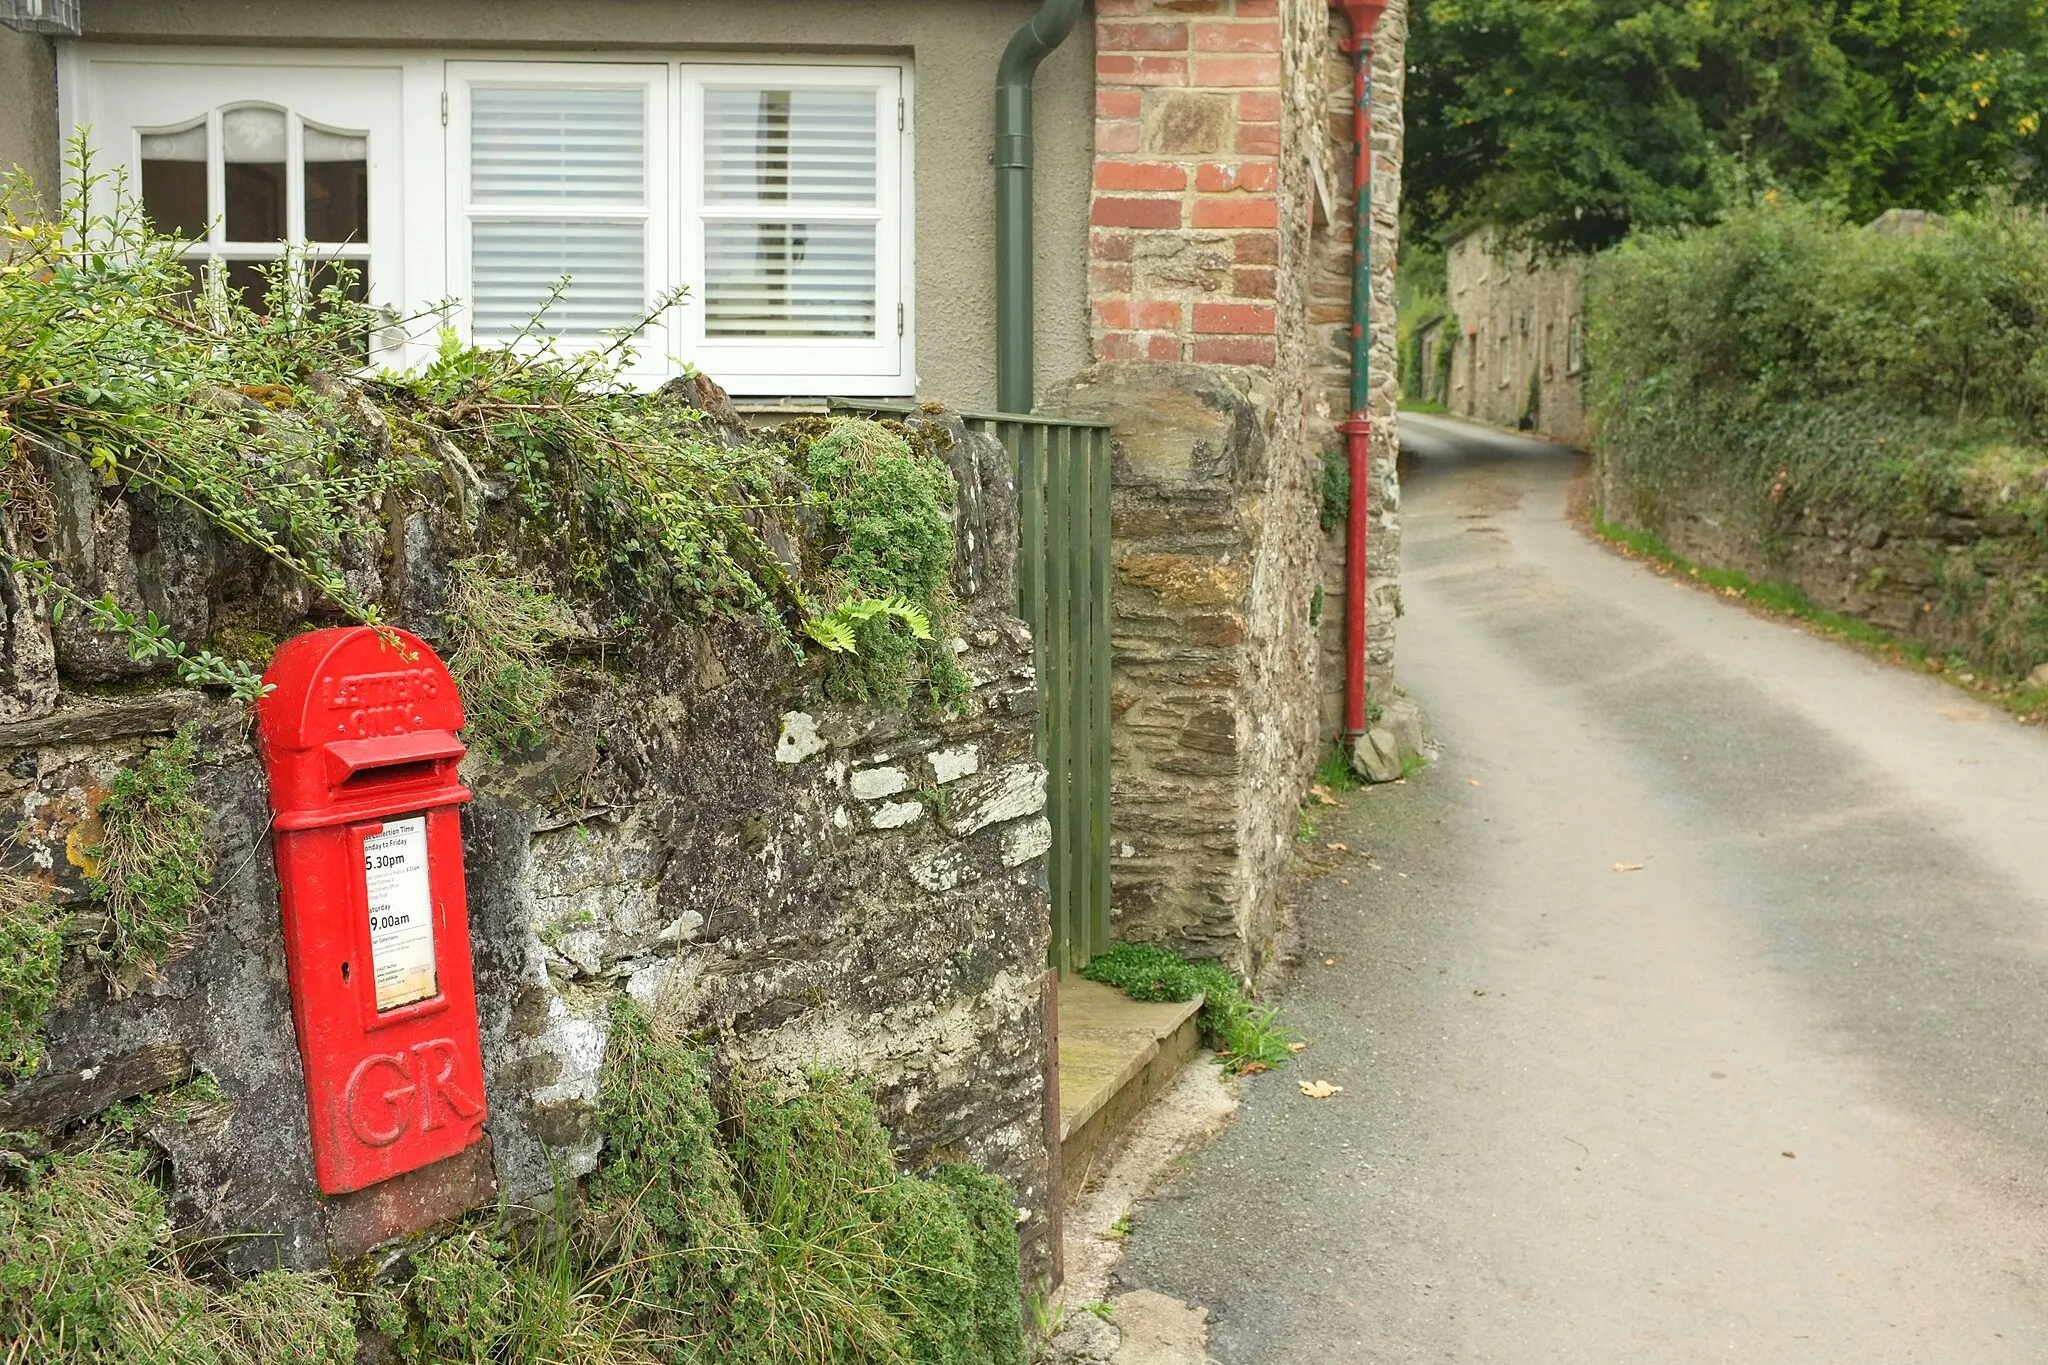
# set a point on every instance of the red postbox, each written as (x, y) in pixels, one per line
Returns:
(358, 733)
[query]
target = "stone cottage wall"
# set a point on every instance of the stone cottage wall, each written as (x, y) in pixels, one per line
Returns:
(1330, 330)
(1212, 346)
(1517, 312)
(800, 884)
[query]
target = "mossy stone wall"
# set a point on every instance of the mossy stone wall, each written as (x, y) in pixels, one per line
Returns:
(696, 825)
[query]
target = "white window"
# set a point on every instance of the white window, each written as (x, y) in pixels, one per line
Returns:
(560, 171)
(775, 196)
(240, 168)
(792, 230)
(1574, 344)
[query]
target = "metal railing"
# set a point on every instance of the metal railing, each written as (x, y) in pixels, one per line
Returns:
(1062, 474)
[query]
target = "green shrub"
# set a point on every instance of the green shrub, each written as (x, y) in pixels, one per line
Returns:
(1787, 302)
(1795, 366)
(1244, 1034)
(889, 499)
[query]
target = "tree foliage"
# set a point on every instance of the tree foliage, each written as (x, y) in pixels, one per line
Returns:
(1574, 121)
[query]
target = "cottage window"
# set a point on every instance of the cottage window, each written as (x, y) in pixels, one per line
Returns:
(775, 195)
(283, 159)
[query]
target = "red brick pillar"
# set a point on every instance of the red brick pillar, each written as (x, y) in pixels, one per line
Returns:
(1185, 235)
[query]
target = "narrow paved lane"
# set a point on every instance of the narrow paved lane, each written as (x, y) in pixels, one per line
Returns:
(1777, 1096)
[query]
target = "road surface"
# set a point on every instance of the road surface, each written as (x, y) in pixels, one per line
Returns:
(1777, 1096)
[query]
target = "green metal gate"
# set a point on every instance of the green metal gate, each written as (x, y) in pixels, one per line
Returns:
(1062, 472)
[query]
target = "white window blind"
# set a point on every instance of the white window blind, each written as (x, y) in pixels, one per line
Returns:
(795, 238)
(562, 165)
(783, 170)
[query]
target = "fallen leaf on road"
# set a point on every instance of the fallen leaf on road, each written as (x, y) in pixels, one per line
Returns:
(1329, 962)
(1340, 848)
(1320, 1090)
(1296, 1047)
(1785, 1154)
(1473, 780)
(1628, 867)
(1253, 1068)
(1322, 794)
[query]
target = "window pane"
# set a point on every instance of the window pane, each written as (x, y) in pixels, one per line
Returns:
(789, 279)
(247, 279)
(513, 265)
(789, 146)
(253, 142)
(560, 146)
(174, 181)
(337, 186)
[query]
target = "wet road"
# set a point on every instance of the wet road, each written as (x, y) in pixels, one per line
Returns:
(1776, 1096)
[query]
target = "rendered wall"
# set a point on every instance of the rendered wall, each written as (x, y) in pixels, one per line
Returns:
(953, 48)
(28, 108)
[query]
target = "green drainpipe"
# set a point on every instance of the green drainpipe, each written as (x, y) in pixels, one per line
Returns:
(1047, 29)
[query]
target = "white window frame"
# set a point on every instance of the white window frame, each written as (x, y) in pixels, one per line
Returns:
(651, 364)
(421, 259)
(743, 365)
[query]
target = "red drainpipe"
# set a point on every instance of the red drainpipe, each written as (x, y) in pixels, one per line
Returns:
(1357, 428)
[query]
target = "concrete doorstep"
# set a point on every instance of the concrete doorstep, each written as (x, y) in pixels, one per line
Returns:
(1129, 1106)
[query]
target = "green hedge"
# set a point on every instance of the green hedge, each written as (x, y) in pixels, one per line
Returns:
(1784, 302)
(1796, 367)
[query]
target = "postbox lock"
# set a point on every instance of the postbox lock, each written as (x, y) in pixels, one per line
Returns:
(360, 739)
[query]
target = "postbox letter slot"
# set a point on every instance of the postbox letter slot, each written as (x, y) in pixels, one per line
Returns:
(366, 778)
(355, 764)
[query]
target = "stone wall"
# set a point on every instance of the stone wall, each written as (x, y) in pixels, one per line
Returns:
(1206, 753)
(1217, 349)
(1330, 328)
(1520, 348)
(1968, 578)
(698, 829)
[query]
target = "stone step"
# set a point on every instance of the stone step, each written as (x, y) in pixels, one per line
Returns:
(1115, 1055)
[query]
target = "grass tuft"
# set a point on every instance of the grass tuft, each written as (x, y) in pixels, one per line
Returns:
(1334, 772)
(769, 1228)
(31, 953)
(1246, 1035)
(501, 621)
(151, 860)
(89, 1276)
